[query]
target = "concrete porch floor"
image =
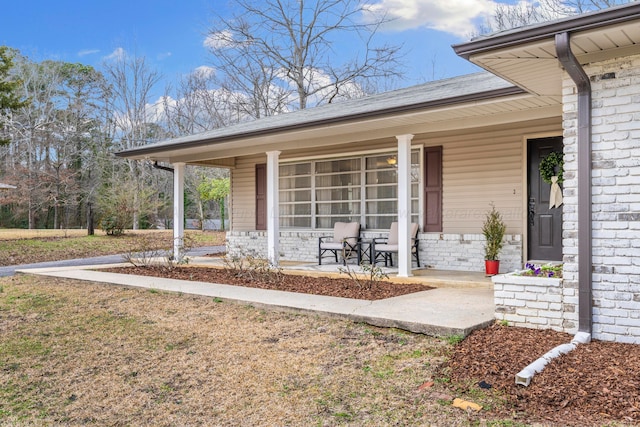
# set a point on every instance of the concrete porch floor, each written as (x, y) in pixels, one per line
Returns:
(428, 276)
(459, 303)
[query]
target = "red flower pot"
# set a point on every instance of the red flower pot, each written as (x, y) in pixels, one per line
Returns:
(491, 267)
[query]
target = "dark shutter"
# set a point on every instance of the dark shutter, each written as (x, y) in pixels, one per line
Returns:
(433, 189)
(261, 196)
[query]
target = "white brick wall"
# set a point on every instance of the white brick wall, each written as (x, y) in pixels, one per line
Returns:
(615, 198)
(463, 252)
(538, 303)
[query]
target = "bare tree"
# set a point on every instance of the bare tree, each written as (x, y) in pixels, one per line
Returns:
(280, 52)
(197, 105)
(509, 16)
(130, 87)
(34, 131)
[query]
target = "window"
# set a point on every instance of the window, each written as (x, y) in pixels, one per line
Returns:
(337, 190)
(316, 194)
(295, 195)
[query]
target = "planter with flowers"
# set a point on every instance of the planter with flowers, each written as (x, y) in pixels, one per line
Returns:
(552, 271)
(535, 298)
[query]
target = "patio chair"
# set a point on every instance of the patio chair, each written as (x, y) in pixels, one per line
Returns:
(345, 241)
(383, 248)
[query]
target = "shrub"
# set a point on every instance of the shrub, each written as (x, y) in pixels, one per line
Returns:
(493, 230)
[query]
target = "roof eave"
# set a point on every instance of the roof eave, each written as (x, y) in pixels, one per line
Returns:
(196, 142)
(536, 33)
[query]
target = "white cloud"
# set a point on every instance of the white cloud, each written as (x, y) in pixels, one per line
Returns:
(204, 71)
(86, 52)
(456, 17)
(218, 40)
(118, 54)
(163, 56)
(156, 112)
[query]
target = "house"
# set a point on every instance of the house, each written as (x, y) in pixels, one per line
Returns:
(440, 153)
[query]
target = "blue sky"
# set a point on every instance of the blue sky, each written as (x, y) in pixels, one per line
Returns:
(171, 33)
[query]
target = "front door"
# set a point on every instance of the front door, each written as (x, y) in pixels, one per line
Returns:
(545, 225)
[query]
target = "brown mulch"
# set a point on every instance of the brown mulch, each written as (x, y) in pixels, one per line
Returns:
(596, 384)
(336, 287)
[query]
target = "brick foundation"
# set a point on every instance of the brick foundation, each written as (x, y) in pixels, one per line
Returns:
(462, 252)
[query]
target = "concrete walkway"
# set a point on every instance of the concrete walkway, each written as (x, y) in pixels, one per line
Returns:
(442, 311)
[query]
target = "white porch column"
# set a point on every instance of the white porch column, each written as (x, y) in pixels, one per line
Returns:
(178, 211)
(273, 214)
(404, 205)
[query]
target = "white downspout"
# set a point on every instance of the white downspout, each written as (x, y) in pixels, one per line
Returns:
(524, 377)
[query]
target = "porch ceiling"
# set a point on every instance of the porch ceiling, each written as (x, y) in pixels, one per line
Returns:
(527, 57)
(509, 109)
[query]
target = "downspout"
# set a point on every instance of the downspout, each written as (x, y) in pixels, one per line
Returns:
(581, 80)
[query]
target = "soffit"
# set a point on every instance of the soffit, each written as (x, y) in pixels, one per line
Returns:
(534, 66)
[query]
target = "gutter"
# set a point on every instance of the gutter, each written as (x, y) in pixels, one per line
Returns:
(581, 80)
(533, 33)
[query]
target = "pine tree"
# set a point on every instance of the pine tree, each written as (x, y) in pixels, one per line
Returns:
(9, 100)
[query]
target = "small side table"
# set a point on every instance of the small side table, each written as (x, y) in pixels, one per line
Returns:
(365, 249)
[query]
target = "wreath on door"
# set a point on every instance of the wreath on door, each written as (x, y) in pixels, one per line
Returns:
(552, 165)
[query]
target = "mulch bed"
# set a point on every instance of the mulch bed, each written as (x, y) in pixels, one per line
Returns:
(595, 384)
(336, 287)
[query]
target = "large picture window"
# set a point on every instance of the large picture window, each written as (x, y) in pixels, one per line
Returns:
(318, 193)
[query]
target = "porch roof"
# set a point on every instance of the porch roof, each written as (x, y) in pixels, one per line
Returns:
(527, 57)
(465, 101)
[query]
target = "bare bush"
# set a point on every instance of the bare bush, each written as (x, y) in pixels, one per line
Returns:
(250, 266)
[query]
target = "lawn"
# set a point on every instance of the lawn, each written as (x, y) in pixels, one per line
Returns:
(78, 353)
(75, 353)
(29, 246)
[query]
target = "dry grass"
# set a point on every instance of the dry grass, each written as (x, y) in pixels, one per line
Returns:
(30, 246)
(21, 233)
(74, 353)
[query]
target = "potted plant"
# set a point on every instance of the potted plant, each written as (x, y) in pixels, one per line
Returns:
(493, 230)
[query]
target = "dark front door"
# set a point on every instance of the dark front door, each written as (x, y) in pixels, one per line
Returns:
(545, 225)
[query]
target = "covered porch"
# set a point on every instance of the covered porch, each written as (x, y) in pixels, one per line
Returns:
(436, 154)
